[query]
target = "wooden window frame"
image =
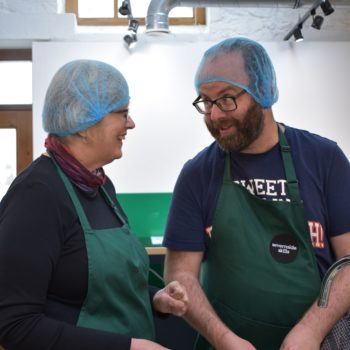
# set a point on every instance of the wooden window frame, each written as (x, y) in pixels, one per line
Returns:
(72, 7)
(15, 54)
(19, 117)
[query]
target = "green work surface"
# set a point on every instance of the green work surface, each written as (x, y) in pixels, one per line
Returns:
(147, 213)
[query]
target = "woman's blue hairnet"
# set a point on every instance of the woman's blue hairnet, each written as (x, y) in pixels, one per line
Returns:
(241, 62)
(80, 94)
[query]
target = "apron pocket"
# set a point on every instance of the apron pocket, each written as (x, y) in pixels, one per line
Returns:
(264, 336)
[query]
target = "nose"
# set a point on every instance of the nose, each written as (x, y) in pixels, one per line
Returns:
(130, 124)
(216, 113)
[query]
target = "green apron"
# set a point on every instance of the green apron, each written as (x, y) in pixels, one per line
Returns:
(260, 273)
(117, 299)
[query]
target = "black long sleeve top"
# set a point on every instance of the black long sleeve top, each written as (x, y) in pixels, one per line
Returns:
(43, 263)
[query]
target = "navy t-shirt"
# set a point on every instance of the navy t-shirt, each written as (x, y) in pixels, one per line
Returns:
(323, 172)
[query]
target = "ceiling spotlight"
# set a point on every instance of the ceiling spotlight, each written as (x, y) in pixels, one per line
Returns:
(125, 10)
(326, 7)
(298, 36)
(133, 25)
(131, 38)
(317, 22)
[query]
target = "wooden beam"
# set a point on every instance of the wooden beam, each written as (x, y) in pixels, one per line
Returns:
(15, 54)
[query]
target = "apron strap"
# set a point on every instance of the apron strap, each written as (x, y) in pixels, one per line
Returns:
(114, 207)
(73, 196)
(227, 170)
(80, 211)
(291, 177)
(287, 163)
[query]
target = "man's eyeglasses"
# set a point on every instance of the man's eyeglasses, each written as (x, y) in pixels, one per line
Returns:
(226, 103)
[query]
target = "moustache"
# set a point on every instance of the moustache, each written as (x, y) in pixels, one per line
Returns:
(226, 123)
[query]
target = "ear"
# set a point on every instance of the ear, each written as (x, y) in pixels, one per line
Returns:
(84, 136)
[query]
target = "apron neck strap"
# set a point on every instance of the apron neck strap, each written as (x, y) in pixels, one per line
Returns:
(113, 206)
(80, 211)
(287, 163)
(73, 196)
(288, 167)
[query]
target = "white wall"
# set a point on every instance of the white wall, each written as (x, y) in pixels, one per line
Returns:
(313, 80)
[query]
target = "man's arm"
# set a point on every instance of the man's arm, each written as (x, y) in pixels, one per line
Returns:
(310, 331)
(185, 267)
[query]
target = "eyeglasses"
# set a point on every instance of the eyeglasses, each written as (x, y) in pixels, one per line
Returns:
(226, 103)
(123, 112)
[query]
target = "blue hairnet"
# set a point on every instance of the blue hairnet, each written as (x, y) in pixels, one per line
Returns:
(241, 62)
(80, 94)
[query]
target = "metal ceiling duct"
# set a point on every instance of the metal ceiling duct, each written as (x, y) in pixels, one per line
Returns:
(158, 10)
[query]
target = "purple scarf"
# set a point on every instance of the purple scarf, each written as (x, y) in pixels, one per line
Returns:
(87, 181)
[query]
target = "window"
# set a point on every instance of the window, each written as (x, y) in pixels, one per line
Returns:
(8, 159)
(16, 82)
(105, 12)
(16, 151)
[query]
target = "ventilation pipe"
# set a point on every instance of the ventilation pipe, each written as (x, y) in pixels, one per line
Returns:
(158, 10)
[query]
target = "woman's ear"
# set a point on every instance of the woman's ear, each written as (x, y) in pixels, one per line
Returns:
(84, 136)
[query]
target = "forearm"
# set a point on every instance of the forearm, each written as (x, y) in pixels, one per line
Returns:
(184, 267)
(318, 322)
(200, 314)
(322, 320)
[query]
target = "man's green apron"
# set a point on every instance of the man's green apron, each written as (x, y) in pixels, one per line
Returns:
(117, 299)
(260, 273)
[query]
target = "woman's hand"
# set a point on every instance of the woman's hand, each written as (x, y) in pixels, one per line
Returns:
(143, 344)
(172, 299)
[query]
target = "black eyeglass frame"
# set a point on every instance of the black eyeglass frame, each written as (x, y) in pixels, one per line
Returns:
(124, 112)
(215, 102)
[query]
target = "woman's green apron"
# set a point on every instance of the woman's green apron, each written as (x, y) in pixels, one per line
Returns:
(117, 299)
(260, 273)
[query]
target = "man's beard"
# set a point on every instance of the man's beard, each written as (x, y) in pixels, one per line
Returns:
(247, 130)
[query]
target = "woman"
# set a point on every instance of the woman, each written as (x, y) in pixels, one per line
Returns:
(72, 274)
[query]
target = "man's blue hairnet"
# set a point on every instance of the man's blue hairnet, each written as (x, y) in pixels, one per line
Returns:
(241, 62)
(80, 94)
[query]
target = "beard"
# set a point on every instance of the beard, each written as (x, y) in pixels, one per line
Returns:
(247, 130)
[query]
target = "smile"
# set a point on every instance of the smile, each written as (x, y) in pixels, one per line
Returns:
(224, 131)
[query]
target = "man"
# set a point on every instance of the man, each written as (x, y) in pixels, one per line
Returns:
(262, 213)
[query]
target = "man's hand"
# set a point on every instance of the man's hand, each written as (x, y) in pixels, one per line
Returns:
(172, 299)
